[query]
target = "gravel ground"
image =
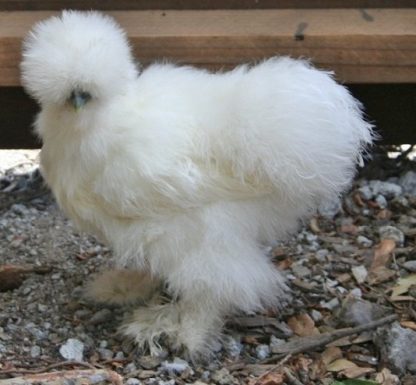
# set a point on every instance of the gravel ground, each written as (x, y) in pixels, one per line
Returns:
(352, 264)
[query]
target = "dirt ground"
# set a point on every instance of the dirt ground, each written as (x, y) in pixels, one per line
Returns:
(352, 270)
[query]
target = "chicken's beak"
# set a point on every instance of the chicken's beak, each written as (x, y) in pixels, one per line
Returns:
(79, 98)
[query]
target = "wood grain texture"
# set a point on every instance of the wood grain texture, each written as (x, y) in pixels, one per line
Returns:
(38, 5)
(371, 46)
(390, 106)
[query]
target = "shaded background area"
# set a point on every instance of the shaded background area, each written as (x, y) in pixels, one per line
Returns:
(392, 108)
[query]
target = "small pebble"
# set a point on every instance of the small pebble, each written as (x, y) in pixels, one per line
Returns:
(301, 271)
(275, 343)
(329, 209)
(223, 377)
(27, 290)
(331, 305)
(77, 292)
(360, 273)
(105, 354)
(100, 316)
(82, 313)
(19, 209)
(321, 255)
(316, 315)
(130, 368)
(35, 351)
(381, 201)
(150, 362)
(408, 183)
(391, 232)
(331, 282)
(401, 201)
(205, 376)
(364, 241)
(56, 276)
(356, 292)
(133, 381)
(232, 346)
(178, 366)
(170, 382)
(388, 189)
(262, 351)
(365, 192)
(410, 265)
(73, 349)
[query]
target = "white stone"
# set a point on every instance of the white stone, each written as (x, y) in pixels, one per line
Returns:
(364, 241)
(262, 351)
(408, 183)
(178, 365)
(360, 273)
(391, 232)
(73, 349)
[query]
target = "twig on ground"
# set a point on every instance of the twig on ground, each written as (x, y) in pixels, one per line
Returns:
(47, 368)
(274, 368)
(304, 344)
(257, 321)
(87, 377)
(291, 378)
(12, 276)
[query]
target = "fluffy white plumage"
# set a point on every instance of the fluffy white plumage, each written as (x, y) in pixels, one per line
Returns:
(186, 173)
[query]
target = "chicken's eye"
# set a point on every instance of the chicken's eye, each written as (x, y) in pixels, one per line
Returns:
(79, 98)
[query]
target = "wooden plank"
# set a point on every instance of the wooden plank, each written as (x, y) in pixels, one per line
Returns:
(376, 46)
(390, 106)
(36, 5)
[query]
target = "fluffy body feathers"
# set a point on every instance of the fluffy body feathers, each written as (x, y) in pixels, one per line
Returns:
(187, 173)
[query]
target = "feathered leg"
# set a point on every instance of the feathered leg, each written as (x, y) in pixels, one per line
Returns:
(227, 276)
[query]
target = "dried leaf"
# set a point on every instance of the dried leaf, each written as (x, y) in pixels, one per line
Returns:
(331, 354)
(284, 264)
(344, 341)
(385, 377)
(302, 363)
(409, 324)
(356, 372)
(349, 229)
(358, 199)
(302, 325)
(343, 278)
(380, 275)
(382, 253)
(378, 271)
(278, 252)
(341, 364)
(354, 382)
(304, 285)
(251, 340)
(402, 298)
(314, 226)
(273, 378)
(403, 285)
(384, 214)
(362, 338)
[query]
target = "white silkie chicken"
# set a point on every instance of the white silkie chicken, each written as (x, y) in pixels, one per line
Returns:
(187, 174)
